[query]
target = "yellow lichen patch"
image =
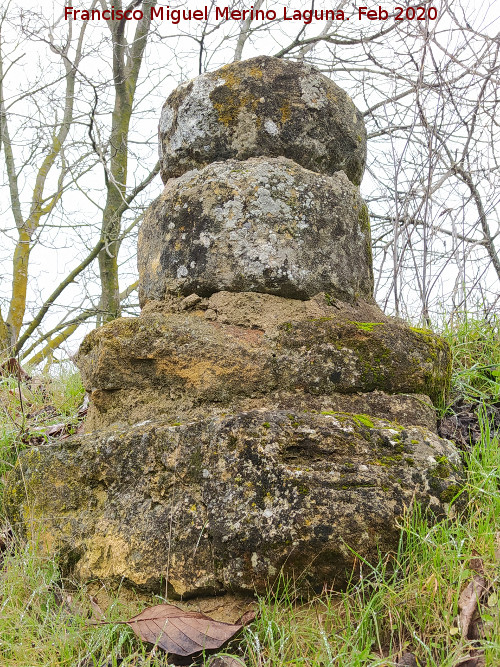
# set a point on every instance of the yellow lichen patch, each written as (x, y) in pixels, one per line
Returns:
(256, 72)
(227, 73)
(286, 112)
(101, 496)
(331, 95)
(37, 533)
(228, 111)
(234, 101)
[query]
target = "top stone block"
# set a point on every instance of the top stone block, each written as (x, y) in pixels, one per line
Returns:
(262, 107)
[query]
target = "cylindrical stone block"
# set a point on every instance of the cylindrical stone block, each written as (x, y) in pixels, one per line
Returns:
(262, 107)
(263, 225)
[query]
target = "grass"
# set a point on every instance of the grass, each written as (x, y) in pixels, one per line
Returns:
(408, 601)
(27, 409)
(475, 345)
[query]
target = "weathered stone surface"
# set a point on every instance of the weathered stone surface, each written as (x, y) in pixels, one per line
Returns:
(226, 503)
(128, 406)
(254, 310)
(182, 364)
(263, 225)
(262, 107)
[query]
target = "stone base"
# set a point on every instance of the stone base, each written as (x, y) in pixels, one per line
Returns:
(128, 406)
(237, 352)
(230, 503)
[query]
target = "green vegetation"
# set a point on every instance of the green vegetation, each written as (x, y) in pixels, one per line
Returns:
(475, 345)
(28, 409)
(367, 326)
(405, 602)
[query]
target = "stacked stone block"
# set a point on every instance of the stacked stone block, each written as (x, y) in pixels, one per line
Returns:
(261, 415)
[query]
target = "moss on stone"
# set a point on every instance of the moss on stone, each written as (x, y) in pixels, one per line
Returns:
(449, 493)
(388, 356)
(367, 326)
(442, 469)
(364, 420)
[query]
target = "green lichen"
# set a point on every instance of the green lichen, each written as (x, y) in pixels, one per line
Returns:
(359, 420)
(364, 218)
(364, 223)
(195, 463)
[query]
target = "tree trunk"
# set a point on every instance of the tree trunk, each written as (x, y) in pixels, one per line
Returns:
(4, 338)
(127, 60)
(111, 223)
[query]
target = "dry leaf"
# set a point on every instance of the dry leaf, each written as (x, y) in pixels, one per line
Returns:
(97, 612)
(13, 367)
(84, 407)
(226, 661)
(247, 618)
(181, 633)
(468, 605)
(476, 563)
(407, 659)
(55, 429)
(472, 661)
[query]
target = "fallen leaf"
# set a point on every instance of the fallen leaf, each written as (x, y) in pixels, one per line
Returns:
(476, 563)
(247, 618)
(407, 659)
(226, 661)
(181, 633)
(84, 407)
(55, 429)
(97, 612)
(468, 603)
(13, 367)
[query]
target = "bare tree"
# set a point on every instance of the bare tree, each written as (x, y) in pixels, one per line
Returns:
(110, 155)
(428, 90)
